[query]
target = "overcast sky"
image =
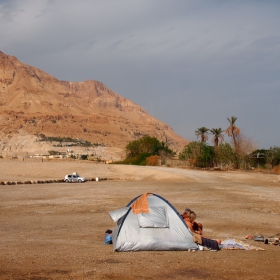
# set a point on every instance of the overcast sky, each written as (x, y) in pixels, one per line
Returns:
(189, 63)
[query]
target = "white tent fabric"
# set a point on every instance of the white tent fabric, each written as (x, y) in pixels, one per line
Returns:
(115, 215)
(159, 230)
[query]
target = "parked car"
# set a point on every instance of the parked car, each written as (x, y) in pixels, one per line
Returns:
(75, 177)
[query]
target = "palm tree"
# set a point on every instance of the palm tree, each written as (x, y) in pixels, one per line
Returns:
(233, 131)
(218, 136)
(202, 134)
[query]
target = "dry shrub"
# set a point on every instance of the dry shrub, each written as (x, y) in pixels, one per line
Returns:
(192, 162)
(152, 160)
(245, 145)
(276, 169)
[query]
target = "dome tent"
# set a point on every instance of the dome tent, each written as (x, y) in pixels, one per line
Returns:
(160, 228)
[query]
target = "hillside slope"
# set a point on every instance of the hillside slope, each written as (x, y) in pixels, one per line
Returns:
(33, 103)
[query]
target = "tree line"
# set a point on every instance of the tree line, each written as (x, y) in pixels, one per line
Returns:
(240, 152)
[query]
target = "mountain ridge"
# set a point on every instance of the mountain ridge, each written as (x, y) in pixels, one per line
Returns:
(34, 102)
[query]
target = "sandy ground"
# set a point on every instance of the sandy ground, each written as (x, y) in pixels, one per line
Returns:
(56, 231)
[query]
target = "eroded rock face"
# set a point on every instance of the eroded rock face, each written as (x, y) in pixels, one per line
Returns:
(37, 103)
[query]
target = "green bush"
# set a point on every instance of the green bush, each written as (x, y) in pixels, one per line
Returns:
(147, 145)
(199, 153)
(136, 160)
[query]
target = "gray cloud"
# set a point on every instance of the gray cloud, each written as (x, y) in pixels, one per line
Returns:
(188, 63)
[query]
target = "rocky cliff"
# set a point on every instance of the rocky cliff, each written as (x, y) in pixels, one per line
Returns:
(33, 103)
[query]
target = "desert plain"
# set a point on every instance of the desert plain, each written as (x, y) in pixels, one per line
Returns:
(56, 230)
